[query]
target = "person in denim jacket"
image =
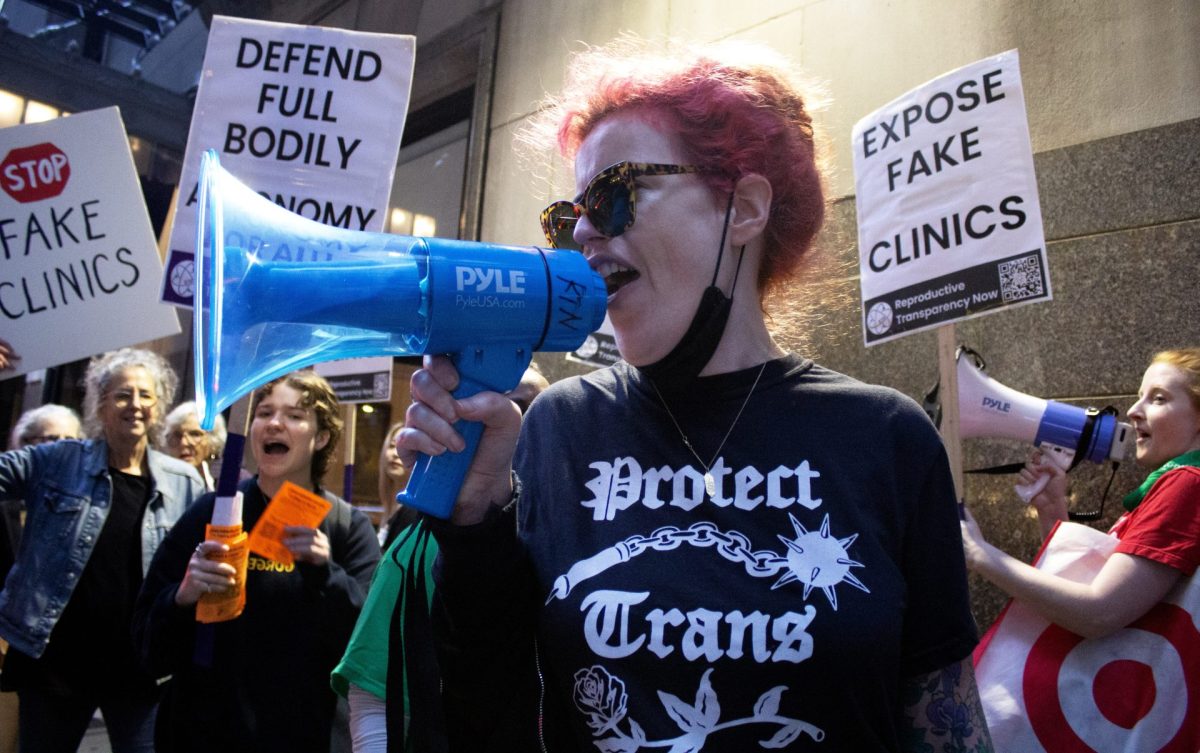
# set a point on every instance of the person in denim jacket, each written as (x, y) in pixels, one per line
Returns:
(47, 423)
(95, 511)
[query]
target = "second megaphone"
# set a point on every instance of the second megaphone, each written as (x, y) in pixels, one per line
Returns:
(276, 292)
(1065, 433)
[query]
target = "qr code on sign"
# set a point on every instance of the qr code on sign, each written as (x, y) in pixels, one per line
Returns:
(1021, 278)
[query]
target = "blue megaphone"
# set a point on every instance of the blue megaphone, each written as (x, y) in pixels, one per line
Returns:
(277, 292)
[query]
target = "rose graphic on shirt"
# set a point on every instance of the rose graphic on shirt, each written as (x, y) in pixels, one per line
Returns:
(601, 697)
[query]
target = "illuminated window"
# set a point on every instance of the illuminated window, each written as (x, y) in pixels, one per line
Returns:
(143, 153)
(11, 108)
(400, 222)
(39, 112)
(15, 109)
(404, 222)
(424, 226)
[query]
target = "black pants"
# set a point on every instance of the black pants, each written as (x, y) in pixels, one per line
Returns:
(56, 722)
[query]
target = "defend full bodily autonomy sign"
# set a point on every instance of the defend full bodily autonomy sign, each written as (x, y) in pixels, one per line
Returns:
(79, 266)
(949, 224)
(310, 117)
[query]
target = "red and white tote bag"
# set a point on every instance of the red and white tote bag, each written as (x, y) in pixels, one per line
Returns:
(1047, 690)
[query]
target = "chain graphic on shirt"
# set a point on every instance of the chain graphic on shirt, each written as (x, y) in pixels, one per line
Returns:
(814, 558)
(601, 698)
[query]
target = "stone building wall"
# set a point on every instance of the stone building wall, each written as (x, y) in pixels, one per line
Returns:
(1113, 93)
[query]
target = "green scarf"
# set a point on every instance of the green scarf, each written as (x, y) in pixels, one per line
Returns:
(1134, 498)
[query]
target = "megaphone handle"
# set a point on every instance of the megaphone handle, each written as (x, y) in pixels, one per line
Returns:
(434, 482)
(1028, 491)
(1060, 456)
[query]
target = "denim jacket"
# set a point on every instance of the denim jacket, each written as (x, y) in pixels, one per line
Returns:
(67, 490)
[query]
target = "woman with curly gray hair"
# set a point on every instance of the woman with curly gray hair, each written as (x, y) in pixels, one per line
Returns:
(96, 511)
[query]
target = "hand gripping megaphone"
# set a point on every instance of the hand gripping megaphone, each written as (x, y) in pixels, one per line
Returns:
(1065, 433)
(276, 292)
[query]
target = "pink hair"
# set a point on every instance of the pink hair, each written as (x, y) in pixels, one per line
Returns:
(736, 108)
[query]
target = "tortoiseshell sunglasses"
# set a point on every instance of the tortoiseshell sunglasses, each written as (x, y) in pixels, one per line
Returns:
(609, 201)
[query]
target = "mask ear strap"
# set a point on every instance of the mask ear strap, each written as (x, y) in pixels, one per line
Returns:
(721, 248)
(738, 269)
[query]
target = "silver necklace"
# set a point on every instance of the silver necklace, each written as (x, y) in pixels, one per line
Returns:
(710, 481)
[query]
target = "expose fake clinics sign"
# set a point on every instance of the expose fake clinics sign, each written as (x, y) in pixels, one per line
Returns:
(949, 224)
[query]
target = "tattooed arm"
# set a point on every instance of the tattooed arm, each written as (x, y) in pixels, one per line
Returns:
(942, 712)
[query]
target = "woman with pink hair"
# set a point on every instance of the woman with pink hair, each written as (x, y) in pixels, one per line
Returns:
(714, 544)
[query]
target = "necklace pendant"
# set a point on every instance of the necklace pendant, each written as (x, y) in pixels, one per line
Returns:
(710, 485)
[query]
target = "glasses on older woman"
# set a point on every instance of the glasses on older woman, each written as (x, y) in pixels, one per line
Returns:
(179, 433)
(122, 398)
(609, 202)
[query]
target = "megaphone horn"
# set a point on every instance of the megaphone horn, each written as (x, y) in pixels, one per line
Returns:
(276, 292)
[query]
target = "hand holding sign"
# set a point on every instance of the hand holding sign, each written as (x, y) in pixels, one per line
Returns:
(207, 572)
(7, 356)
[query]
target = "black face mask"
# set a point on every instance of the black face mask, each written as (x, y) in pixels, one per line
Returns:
(692, 353)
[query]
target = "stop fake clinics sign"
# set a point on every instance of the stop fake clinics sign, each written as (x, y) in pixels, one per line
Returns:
(79, 267)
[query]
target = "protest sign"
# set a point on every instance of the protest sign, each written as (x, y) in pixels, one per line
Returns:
(309, 117)
(80, 263)
(599, 349)
(359, 380)
(949, 224)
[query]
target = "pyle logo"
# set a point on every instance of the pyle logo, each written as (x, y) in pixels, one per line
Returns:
(996, 405)
(496, 280)
(34, 173)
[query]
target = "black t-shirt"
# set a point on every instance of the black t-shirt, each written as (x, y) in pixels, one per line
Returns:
(259, 682)
(786, 606)
(91, 646)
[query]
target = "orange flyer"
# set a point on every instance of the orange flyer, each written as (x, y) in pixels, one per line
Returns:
(291, 506)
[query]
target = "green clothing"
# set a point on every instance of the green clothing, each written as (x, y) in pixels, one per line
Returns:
(365, 662)
(1134, 498)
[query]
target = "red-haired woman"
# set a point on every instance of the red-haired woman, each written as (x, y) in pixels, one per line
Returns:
(261, 681)
(716, 544)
